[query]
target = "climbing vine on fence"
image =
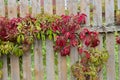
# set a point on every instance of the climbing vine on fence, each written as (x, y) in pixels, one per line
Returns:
(17, 34)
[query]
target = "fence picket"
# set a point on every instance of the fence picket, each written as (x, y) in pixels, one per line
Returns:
(2, 8)
(60, 7)
(5, 68)
(23, 8)
(36, 8)
(4, 58)
(110, 42)
(39, 70)
(48, 8)
(74, 58)
(62, 63)
(118, 4)
(109, 18)
(100, 48)
(85, 8)
(50, 60)
(27, 74)
(12, 12)
(97, 12)
(109, 11)
(73, 6)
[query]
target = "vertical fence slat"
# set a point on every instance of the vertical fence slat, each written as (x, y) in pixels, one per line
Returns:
(110, 42)
(73, 6)
(85, 8)
(2, 8)
(23, 8)
(60, 7)
(73, 58)
(109, 11)
(12, 8)
(118, 4)
(62, 67)
(4, 58)
(100, 48)
(14, 61)
(27, 74)
(97, 12)
(35, 7)
(97, 18)
(50, 60)
(39, 69)
(62, 63)
(48, 8)
(5, 68)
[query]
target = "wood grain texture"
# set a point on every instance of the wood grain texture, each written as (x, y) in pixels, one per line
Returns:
(118, 4)
(50, 60)
(110, 42)
(15, 72)
(5, 68)
(73, 6)
(100, 47)
(97, 12)
(62, 63)
(109, 11)
(24, 8)
(48, 8)
(14, 60)
(62, 67)
(60, 7)
(85, 8)
(73, 58)
(2, 8)
(12, 8)
(27, 74)
(39, 69)
(36, 7)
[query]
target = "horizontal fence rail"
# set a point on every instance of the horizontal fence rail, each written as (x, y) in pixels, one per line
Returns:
(41, 63)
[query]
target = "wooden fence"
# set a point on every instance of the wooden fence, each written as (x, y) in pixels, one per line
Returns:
(95, 9)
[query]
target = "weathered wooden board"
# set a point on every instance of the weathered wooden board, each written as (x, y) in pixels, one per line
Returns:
(60, 7)
(4, 58)
(24, 10)
(48, 8)
(50, 60)
(109, 11)
(27, 74)
(62, 67)
(36, 7)
(100, 47)
(12, 8)
(2, 8)
(73, 58)
(85, 8)
(5, 68)
(14, 60)
(73, 6)
(97, 12)
(39, 69)
(110, 42)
